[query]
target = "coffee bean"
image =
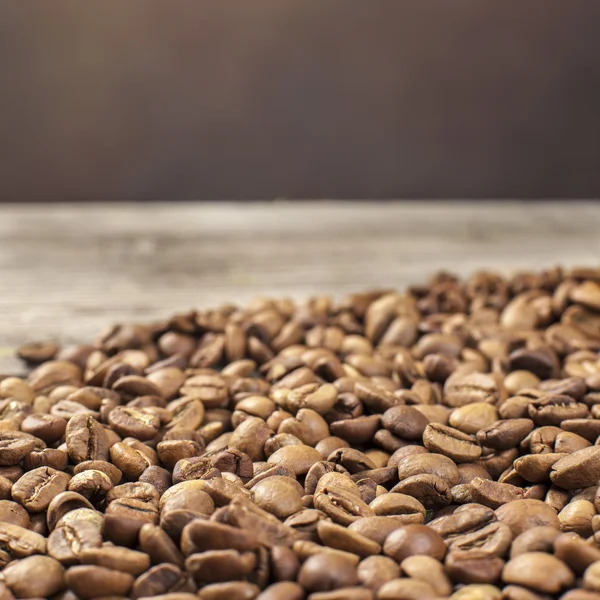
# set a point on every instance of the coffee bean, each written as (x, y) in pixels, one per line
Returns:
(405, 421)
(521, 515)
(117, 558)
(324, 572)
(86, 439)
(538, 571)
(341, 538)
(35, 490)
(234, 590)
(467, 389)
(580, 469)
(455, 444)
(34, 576)
(282, 591)
(14, 446)
(412, 540)
(406, 588)
(92, 581)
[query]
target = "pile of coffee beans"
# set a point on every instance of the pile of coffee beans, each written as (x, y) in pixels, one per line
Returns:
(437, 443)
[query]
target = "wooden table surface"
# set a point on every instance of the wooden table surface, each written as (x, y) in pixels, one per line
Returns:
(66, 271)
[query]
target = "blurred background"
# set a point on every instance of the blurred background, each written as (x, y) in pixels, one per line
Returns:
(153, 100)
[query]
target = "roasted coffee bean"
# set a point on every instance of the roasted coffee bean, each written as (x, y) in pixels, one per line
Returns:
(117, 558)
(538, 571)
(323, 572)
(341, 538)
(281, 496)
(13, 513)
(17, 542)
(455, 444)
(232, 590)
(91, 484)
(341, 506)
(86, 439)
(93, 581)
(69, 539)
(412, 540)
(521, 515)
(35, 490)
(63, 503)
(14, 446)
(577, 470)
(406, 587)
(282, 591)
(214, 566)
(34, 576)
(159, 546)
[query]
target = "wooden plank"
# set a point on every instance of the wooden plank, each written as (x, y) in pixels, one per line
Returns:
(67, 271)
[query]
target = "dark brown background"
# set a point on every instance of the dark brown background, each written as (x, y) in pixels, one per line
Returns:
(150, 99)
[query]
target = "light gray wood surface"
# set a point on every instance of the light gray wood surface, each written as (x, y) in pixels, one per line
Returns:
(66, 271)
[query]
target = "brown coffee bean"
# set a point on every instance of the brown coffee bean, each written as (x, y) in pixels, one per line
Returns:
(18, 542)
(250, 437)
(281, 496)
(35, 576)
(159, 546)
(37, 488)
(324, 572)
(407, 589)
(577, 470)
(398, 504)
(467, 389)
(506, 434)
(348, 593)
(357, 431)
(282, 591)
(161, 579)
(117, 558)
(535, 539)
(172, 451)
(128, 421)
(412, 540)
(233, 590)
(46, 427)
(405, 421)
(91, 484)
(591, 577)
(100, 465)
(48, 457)
(429, 464)
(476, 591)
(13, 513)
(14, 446)
(52, 374)
(538, 571)
(342, 507)
(577, 517)
(341, 538)
(472, 418)
(68, 540)
(299, 459)
(473, 567)
(576, 553)
(521, 515)
(213, 566)
(455, 444)
(86, 439)
(63, 503)
(92, 581)
(199, 536)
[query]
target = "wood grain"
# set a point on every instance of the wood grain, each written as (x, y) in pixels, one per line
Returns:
(67, 271)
